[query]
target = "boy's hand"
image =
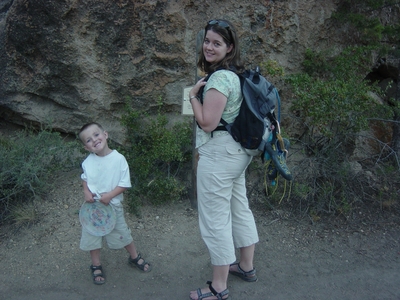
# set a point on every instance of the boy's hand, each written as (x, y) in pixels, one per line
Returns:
(89, 196)
(105, 198)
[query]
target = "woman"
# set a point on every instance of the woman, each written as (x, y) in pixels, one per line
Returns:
(225, 220)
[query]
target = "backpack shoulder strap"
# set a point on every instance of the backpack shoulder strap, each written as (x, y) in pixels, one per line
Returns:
(241, 79)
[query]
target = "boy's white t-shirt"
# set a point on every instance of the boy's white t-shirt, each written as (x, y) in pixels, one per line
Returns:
(105, 173)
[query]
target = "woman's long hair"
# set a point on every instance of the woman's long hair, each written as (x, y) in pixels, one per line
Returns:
(232, 59)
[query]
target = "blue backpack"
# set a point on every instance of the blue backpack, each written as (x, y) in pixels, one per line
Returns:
(256, 127)
(256, 121)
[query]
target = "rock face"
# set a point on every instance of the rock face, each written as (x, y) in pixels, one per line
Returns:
(68, 62)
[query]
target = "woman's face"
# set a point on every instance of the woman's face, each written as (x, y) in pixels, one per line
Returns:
(214, 47)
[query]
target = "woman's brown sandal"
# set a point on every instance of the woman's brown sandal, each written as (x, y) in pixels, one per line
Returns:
(135, 263)
(212, 293)
(100, 274)
(249, 276)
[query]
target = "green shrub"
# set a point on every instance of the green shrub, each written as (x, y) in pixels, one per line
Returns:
(272, 68)
(159, 155)
(365, 25)
(332, 99)
(28, 162)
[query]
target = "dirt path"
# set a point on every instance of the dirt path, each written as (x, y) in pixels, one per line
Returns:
(294, 260)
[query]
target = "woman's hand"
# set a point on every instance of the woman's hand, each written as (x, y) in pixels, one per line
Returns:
(195, 89)
(208, 114)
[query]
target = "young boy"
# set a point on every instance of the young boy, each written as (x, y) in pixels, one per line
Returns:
(105, 178)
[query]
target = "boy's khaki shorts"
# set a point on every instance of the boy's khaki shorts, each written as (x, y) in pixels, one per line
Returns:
(116, 239)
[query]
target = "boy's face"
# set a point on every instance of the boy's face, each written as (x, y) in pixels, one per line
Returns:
(94, 140)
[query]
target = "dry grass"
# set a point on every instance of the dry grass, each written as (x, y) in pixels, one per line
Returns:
(26, 214)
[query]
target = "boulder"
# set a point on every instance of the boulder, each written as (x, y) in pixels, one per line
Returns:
(68, 62)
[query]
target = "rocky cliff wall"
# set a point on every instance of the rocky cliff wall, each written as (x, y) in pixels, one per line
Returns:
(67, 62)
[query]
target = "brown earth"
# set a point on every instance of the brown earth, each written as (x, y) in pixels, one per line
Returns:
(294, 258)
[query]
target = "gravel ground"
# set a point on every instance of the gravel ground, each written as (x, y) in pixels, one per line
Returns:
(294, 258)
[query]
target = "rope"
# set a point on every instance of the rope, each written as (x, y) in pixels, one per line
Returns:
(284, 192)
(265, 176)
(276, 185)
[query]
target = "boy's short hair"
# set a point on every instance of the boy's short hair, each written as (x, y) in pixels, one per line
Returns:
(88, 125)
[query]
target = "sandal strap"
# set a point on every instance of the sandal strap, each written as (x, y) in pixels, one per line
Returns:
(215, 293)
(201, 296)
(136, 260)
(142, 266)
(249, 273)
(95, 268)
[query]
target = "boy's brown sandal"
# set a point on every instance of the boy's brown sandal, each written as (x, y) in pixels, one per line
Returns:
(95, 275)
(135, 263)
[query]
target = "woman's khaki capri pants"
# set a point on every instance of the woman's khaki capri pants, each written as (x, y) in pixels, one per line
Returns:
(225, 219)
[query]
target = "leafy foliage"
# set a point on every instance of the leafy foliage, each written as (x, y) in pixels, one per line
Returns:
(157, 154)
(27, 165)
(334, 100)
(335, 103)
(272, 68)
(367, 25)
